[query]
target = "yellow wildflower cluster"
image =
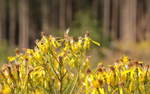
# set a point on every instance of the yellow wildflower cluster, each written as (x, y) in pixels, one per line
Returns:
(125, 77)
(60, 66)
(54, 66)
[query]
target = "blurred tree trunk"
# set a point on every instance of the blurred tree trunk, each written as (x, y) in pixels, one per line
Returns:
(140, 20)
(54, 14)
(12, 20)
(68, 13)
(62, 16)
(95, 8)
(23, 24)
(45, 16)
(114, 21)
(106, 18)
(128, 21)
(2, 19)
(148, 20)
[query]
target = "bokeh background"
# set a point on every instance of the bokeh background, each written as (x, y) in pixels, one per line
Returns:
(121, 26)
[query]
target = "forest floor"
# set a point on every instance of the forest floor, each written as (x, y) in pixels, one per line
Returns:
(140, 52)
(108, 55)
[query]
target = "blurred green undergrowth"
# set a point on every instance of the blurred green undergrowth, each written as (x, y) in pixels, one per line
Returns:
(5, 51)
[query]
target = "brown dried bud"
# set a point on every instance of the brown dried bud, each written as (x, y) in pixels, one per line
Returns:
(100, 82)
(17, 66)
(26, 59)
(88, 71)
(121, 84)
(121, 60)
(112, 68)
(136, 63)
(17, 51)
(100, 70)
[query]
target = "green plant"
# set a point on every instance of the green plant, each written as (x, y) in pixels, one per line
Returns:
(60, 66)
(5, 51)
(54, 66)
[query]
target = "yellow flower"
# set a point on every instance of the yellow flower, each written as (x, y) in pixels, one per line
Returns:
(125, 59)
(6, 90)
(10, 59)
(96, 83)
(38, 92)
(123, 76)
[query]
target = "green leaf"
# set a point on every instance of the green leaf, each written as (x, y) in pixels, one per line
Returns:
(96, 43)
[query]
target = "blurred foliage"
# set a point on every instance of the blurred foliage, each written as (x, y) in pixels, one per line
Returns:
(84, 22)
(5, 51)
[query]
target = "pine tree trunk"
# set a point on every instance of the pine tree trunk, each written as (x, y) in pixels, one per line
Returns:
(128, 21)
(45, 16)
(2, 19)
(69, 12)
(23, 24)
(95, 8)
(54, 14)
(148, 20)
(140, 19)
(115, 16)
(106, 18)
(62, 14)
(12, 20)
